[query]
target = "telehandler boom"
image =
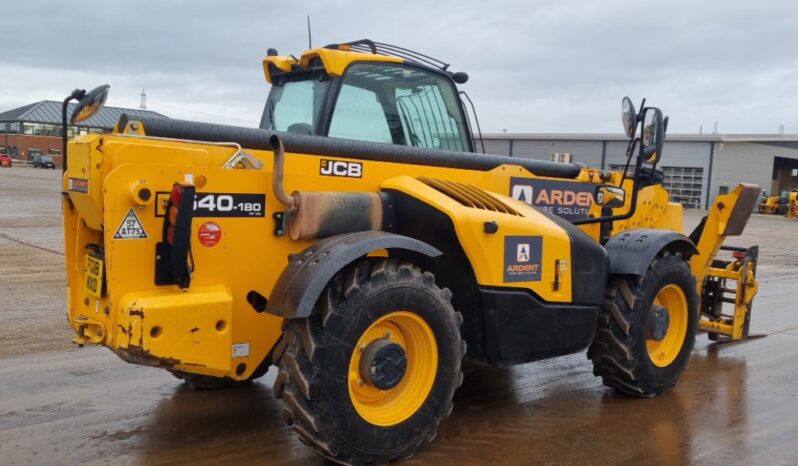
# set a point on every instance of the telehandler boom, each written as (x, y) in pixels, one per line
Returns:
(357, 242)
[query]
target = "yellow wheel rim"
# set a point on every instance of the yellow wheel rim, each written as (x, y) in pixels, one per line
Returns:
(663, 352)
(390, 407)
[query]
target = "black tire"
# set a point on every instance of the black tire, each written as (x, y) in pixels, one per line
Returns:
(315, 357)
(619, 353)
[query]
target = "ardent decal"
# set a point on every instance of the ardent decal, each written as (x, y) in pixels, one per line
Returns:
(522, 258)
(570, 200)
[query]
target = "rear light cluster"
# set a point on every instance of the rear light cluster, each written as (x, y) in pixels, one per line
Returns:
(174, 208)
(173, 255)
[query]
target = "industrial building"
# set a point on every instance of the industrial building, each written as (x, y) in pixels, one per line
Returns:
(697, 167)
(36, 128)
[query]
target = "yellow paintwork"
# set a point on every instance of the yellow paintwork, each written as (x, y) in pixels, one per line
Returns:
(743, 275)
(712, 237)
(769, 205)
(663, 352)
(486, 251)
(87, 163)
(390, 407)
(709, 244)
(249, 257)
(119, 162)
(334, 61)
(174, 324)
(792, 205)
(653, 208)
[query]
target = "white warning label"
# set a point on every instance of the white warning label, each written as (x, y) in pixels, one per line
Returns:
(241, 350)
(131, 227)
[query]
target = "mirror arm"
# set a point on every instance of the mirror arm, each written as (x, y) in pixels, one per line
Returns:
(77, 94)
(629, 150)
(612, 218)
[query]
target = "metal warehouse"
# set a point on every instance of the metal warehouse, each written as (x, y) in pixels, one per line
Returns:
(696, 166)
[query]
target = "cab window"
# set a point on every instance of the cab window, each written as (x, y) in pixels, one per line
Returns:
(359, 115)
(295, 106)
(395, 103)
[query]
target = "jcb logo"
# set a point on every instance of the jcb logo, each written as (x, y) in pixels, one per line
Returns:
(341, 168)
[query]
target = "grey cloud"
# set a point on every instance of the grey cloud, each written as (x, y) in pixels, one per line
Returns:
(534, 66)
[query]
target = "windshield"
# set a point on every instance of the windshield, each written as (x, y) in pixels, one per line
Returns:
(46, 158)
(375, 102)
(294, 106)
(390, 102)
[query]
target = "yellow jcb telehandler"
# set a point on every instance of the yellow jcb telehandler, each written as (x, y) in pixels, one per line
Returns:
(359, 243)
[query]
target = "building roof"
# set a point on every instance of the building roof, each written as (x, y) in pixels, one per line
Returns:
(763, 138)
(49, 111)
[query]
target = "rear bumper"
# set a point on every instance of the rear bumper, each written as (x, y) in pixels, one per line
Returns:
(189, 330)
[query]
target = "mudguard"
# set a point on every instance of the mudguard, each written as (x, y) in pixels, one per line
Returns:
(308, 273)
(632, 251)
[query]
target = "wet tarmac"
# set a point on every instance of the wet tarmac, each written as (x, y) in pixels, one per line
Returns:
(736, 404)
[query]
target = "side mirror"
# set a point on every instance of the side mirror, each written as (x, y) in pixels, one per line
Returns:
(90, 104)
(653, 135)
(610, 196)
(628, 116)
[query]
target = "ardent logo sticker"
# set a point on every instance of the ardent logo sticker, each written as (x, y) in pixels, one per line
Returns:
(522, 257)
(570, 200)
(522, 254)
(523, 192)
(341, 168)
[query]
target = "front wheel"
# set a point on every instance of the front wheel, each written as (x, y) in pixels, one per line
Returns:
(370, 375)
(646, 329)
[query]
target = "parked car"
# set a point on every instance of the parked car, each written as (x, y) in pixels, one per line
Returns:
(43, 161)
(5, 160)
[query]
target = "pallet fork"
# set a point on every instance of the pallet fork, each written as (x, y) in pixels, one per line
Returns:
(726, 281)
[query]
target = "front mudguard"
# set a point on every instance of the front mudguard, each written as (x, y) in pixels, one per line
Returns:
(632, 251)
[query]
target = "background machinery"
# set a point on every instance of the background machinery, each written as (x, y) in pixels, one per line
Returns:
(792, 203)
(783, 204)
(357, 242)
(769, 205)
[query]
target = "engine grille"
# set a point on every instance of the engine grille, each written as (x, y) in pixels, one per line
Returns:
(468, 195)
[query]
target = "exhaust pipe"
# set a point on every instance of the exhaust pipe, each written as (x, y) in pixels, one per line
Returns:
(313, 215)
(278, 174)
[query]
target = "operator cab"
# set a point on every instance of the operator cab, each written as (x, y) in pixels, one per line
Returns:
(368, 92)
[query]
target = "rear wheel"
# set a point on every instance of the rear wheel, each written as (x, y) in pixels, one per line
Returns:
(646, 328)
(369, 376)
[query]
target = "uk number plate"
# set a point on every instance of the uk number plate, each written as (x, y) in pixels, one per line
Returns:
(94, 276)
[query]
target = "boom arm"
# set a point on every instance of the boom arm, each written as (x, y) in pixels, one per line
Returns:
(727, 217)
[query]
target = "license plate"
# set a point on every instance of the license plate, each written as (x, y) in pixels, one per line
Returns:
(94, 276)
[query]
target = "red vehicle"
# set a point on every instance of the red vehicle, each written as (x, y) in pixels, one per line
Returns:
(5, 160)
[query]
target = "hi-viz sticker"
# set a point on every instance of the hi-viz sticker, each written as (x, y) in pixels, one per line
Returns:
(131, 227)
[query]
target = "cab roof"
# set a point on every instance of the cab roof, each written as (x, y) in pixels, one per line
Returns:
(335, 58)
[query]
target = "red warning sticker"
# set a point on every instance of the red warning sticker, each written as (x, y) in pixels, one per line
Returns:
(209, 234)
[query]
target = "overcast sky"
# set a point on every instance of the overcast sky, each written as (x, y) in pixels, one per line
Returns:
(534, 66)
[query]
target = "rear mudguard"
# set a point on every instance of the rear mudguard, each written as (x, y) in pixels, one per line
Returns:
(632, 251)
(308, 273)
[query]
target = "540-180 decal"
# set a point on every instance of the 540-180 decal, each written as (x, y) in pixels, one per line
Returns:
(219, 204)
